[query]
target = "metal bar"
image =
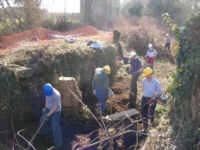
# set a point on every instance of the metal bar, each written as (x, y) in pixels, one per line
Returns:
(27, 141)
(36, 133)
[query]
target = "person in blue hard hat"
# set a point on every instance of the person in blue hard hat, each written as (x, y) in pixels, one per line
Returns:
(51, 114)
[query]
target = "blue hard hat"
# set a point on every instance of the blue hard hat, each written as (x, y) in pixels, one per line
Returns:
(48, 90)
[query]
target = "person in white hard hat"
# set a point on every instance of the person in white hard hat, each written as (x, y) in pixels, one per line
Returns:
(150, 55)
(134, 70)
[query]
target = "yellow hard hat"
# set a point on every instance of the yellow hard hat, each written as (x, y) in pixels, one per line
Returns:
(147, 71)
(107, 68)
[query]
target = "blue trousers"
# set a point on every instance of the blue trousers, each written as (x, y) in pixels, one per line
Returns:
(54, 122)
(147, 111)
(102, 96)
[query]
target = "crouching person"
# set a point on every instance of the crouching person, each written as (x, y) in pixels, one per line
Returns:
(51, 115)
(151, 91)
(100, 86)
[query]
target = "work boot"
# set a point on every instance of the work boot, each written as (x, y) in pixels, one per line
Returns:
(144, 133)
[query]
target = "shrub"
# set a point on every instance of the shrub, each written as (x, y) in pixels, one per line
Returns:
(138, 33)
(59, 23)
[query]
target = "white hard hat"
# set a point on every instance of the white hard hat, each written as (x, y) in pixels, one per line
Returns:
(98, 70)
(150, 45)
(132, 54)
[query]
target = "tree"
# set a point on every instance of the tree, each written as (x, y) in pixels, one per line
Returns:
(32, 12)
(133, 8)
(86, 11)
(20, 14)
(136, 9)
(175, 8)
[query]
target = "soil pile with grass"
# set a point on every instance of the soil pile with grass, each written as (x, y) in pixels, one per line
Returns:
(23, 72)
(36, 34)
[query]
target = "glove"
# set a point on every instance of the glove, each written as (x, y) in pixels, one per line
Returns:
(44, 117)
(152, 100)
(44, 109)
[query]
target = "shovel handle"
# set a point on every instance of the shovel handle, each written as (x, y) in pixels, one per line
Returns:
(36, 133)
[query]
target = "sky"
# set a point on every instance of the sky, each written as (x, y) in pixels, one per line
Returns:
(69, 6)
(61, 6)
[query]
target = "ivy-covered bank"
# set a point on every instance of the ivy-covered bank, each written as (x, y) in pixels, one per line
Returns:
(185, 109)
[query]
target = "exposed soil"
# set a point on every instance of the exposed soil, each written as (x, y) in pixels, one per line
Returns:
(119, 102)
(39, 34)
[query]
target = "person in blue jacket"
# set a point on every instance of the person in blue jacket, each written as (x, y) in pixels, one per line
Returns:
(100, 86)
(135, 70)
(51, 115)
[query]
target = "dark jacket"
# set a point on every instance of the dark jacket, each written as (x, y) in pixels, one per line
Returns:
(100, 81)
(136, 65)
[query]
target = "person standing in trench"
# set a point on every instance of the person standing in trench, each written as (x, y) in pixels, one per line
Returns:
(51, 115)
(100, 86)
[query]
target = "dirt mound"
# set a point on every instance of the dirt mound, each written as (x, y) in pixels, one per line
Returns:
(29, 35)
(11, 41)
(85, 31)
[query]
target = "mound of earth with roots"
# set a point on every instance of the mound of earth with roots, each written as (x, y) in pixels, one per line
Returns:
(23, 72)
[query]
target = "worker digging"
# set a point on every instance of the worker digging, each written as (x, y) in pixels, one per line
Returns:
(51, 114)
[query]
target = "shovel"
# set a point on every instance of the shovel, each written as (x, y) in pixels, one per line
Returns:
(35, 134)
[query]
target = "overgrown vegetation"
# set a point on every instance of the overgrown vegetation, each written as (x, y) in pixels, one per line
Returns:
(185, 88)
(136, 35)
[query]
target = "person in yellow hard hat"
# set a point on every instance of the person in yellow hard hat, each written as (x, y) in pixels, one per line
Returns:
(100, 86)
(151, 91)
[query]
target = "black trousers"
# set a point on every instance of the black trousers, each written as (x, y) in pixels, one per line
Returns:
(133, 92)
(167, 45)
(147, 110)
